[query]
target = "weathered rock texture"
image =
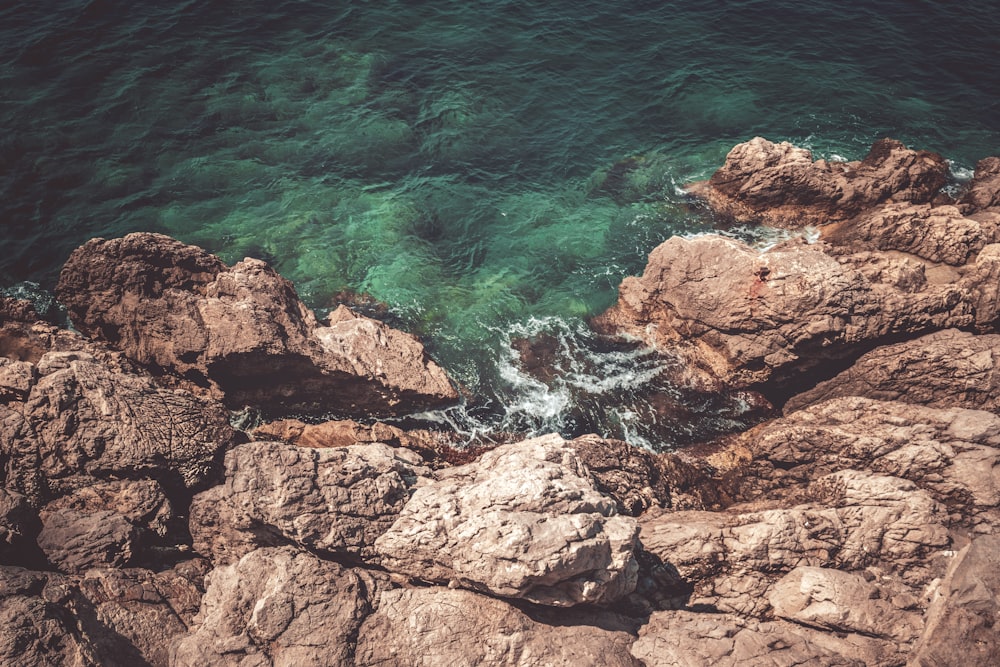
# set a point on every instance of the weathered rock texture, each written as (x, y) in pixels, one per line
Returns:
(440, 627)
(781, 185)
(242, 330)
(947, 368)
(332, 500)
(281, 607)
(983, 193)
(524, 521)
(751, 318)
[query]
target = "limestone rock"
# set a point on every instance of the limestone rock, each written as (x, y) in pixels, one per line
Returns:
(84, 421)
(334, 500)
(781, 185)
(943, 369)
(688, 639)
(524, 521)
(751, 317)
(961, 622)
(440, 627)
(242, 330)
(280, 607)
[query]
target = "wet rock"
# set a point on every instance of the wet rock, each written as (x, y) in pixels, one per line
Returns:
(949, 368)
(983, 192)
(435, 626)
(524, 521)
(934, 233)
(333, 500)
(764, 319)
(85, 420)
(243, 331)
(278, 606)
(686, 638)
(961, 621)
(780, 185)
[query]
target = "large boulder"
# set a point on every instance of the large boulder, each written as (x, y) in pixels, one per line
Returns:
(983, 192)
(944, 369)
(780, 184)
(441, 627)
(85, 420)
(766, 318)
(524, 521)
(282, 607)
(242, 331)
(335, 501)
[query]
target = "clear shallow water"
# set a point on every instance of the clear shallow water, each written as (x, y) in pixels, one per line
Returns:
(456, 160)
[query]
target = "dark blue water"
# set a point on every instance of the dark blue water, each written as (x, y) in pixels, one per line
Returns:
(452, 159)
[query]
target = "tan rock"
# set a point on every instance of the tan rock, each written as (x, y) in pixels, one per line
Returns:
(440, 627)
(524, 521)
(781, 185)
(242, 330)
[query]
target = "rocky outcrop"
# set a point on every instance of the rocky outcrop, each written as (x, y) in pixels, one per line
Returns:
(983, 192)
(962, 618)
(332, 500)
(753, 318)
(780, 185)
(242, 331)
(19, 526)
(524, 521)
(947, 368)
(279, 606)
(441, 627)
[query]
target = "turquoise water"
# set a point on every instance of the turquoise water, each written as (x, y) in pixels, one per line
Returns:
(490, 170)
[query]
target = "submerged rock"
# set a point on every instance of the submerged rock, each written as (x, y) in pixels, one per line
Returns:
(242, 331)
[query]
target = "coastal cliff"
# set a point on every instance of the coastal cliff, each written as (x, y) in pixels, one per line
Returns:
(138, 525)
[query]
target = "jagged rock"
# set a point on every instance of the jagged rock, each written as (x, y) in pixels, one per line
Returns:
(841, 602)
(853, 520)
(983, 192)
(684, 638)
(781, 185)
(751, 317)
(935, 233)
(951, 454)
(243, 330)
(524, 521)
(16, 379)
(281, 607)
(982, 282)
(19, 526)
(107, 524)
(35, 631)
(335, 500)
(84, 420)
(961, 621)
(943, 369)
(440, 627)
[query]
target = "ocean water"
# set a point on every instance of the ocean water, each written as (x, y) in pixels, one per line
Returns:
(489, 170)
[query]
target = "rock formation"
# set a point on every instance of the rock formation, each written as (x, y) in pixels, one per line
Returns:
(242, 331)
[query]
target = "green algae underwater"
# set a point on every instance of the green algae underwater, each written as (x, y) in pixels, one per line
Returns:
(489, 170)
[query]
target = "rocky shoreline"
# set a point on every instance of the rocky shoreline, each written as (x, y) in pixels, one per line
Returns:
(140, 526)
